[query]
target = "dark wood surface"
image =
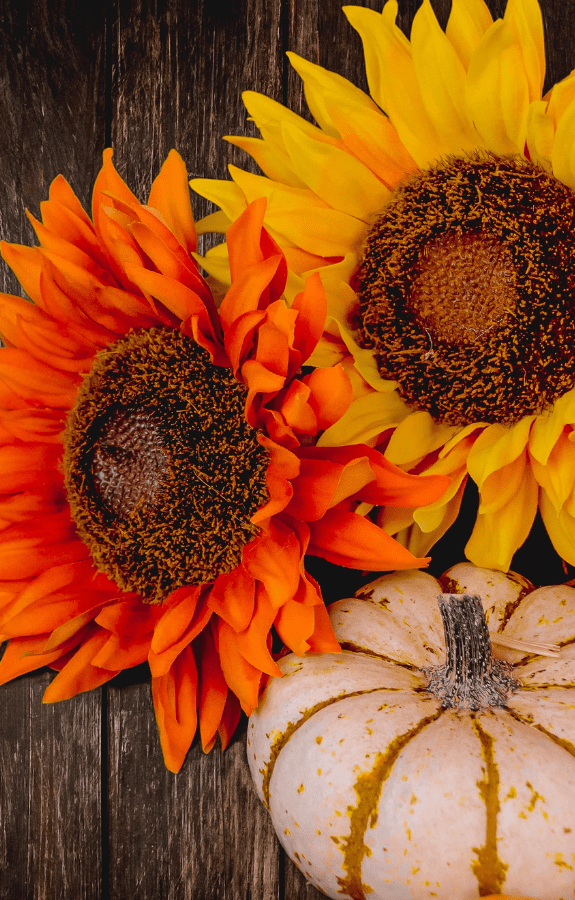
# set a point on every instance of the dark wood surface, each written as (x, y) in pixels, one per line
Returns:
(87, 809)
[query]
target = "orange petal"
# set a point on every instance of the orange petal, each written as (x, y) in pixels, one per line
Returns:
(175, 296)
(232, 598)
(35, 382)
(25, 553)
(243, 678)
(391, 486)
(239, 336)
(230, 718)
(175, 698)
(178, 613)
(273, 557)
(27, 424)
(347, 539)
(26, 263)
(62, 195)
(331, 394)
(160, 662)
(24, 466)
(213, 690)
(294, 624)
(249, 244)
(166, 254)
(170, 195)
(311, 306)
(323, 640)
(79, 675)
(253, 642)
(253, 287)
(296, 409)
(23, 655)
(107, 183)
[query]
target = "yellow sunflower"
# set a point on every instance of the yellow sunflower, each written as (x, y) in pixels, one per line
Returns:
(160, 481)
(439, 214)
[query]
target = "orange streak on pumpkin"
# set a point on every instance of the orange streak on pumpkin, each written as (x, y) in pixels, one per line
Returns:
(368, 788)
(488, 868)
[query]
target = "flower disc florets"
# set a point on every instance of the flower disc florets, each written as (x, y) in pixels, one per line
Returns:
(163, 472)
(467, 290)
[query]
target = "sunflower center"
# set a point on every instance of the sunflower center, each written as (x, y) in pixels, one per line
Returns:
(463, 286)
(466, 290)
(163, 472)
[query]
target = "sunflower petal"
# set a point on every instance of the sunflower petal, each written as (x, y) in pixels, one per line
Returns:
(441, 79)
(347, 539)
(497, 91)
(496, 536)
(319, 83)
(175, 699)
(170, 195)
(393, 81)
(468, 21)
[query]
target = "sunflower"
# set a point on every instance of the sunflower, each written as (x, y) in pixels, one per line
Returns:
(160, 479)
(439, 214)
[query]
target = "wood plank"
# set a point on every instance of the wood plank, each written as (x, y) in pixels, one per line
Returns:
(51, 109)
(178, 70)
(199, 835)
(50, 812)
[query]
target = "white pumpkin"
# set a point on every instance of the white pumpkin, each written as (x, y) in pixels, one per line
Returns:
(378, 791)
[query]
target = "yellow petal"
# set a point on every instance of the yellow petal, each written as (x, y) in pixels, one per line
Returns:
(524, 17)
(560, 98)
(224, 194)
(563, 155)
(371, 137)
(441, 78)
(273, 162)
(496, 447)
(269, 116)
(468, 22)
(217, 223)
(252, 187)
(393, 82)
(432, 524)
(336, 177)
(497, 536)
(547, 429)
(319, 83)
(557, 476)
(501, 486)
(216, 263)
(560, 528)
(540, 134)
(497, 92)
(366, 418)
(324, 232)
(415, 437)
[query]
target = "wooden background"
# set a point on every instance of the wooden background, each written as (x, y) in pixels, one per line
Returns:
(87, 809)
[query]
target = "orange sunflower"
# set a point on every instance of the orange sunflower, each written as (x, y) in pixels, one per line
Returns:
(160, 482)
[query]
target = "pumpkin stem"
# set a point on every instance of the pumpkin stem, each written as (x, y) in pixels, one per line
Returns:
(471, 678)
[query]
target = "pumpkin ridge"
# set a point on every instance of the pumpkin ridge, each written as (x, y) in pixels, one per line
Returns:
(368, 788)
(284, 736)
(352, 647)
(510, 609)
(525, 720)
(488, 868)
